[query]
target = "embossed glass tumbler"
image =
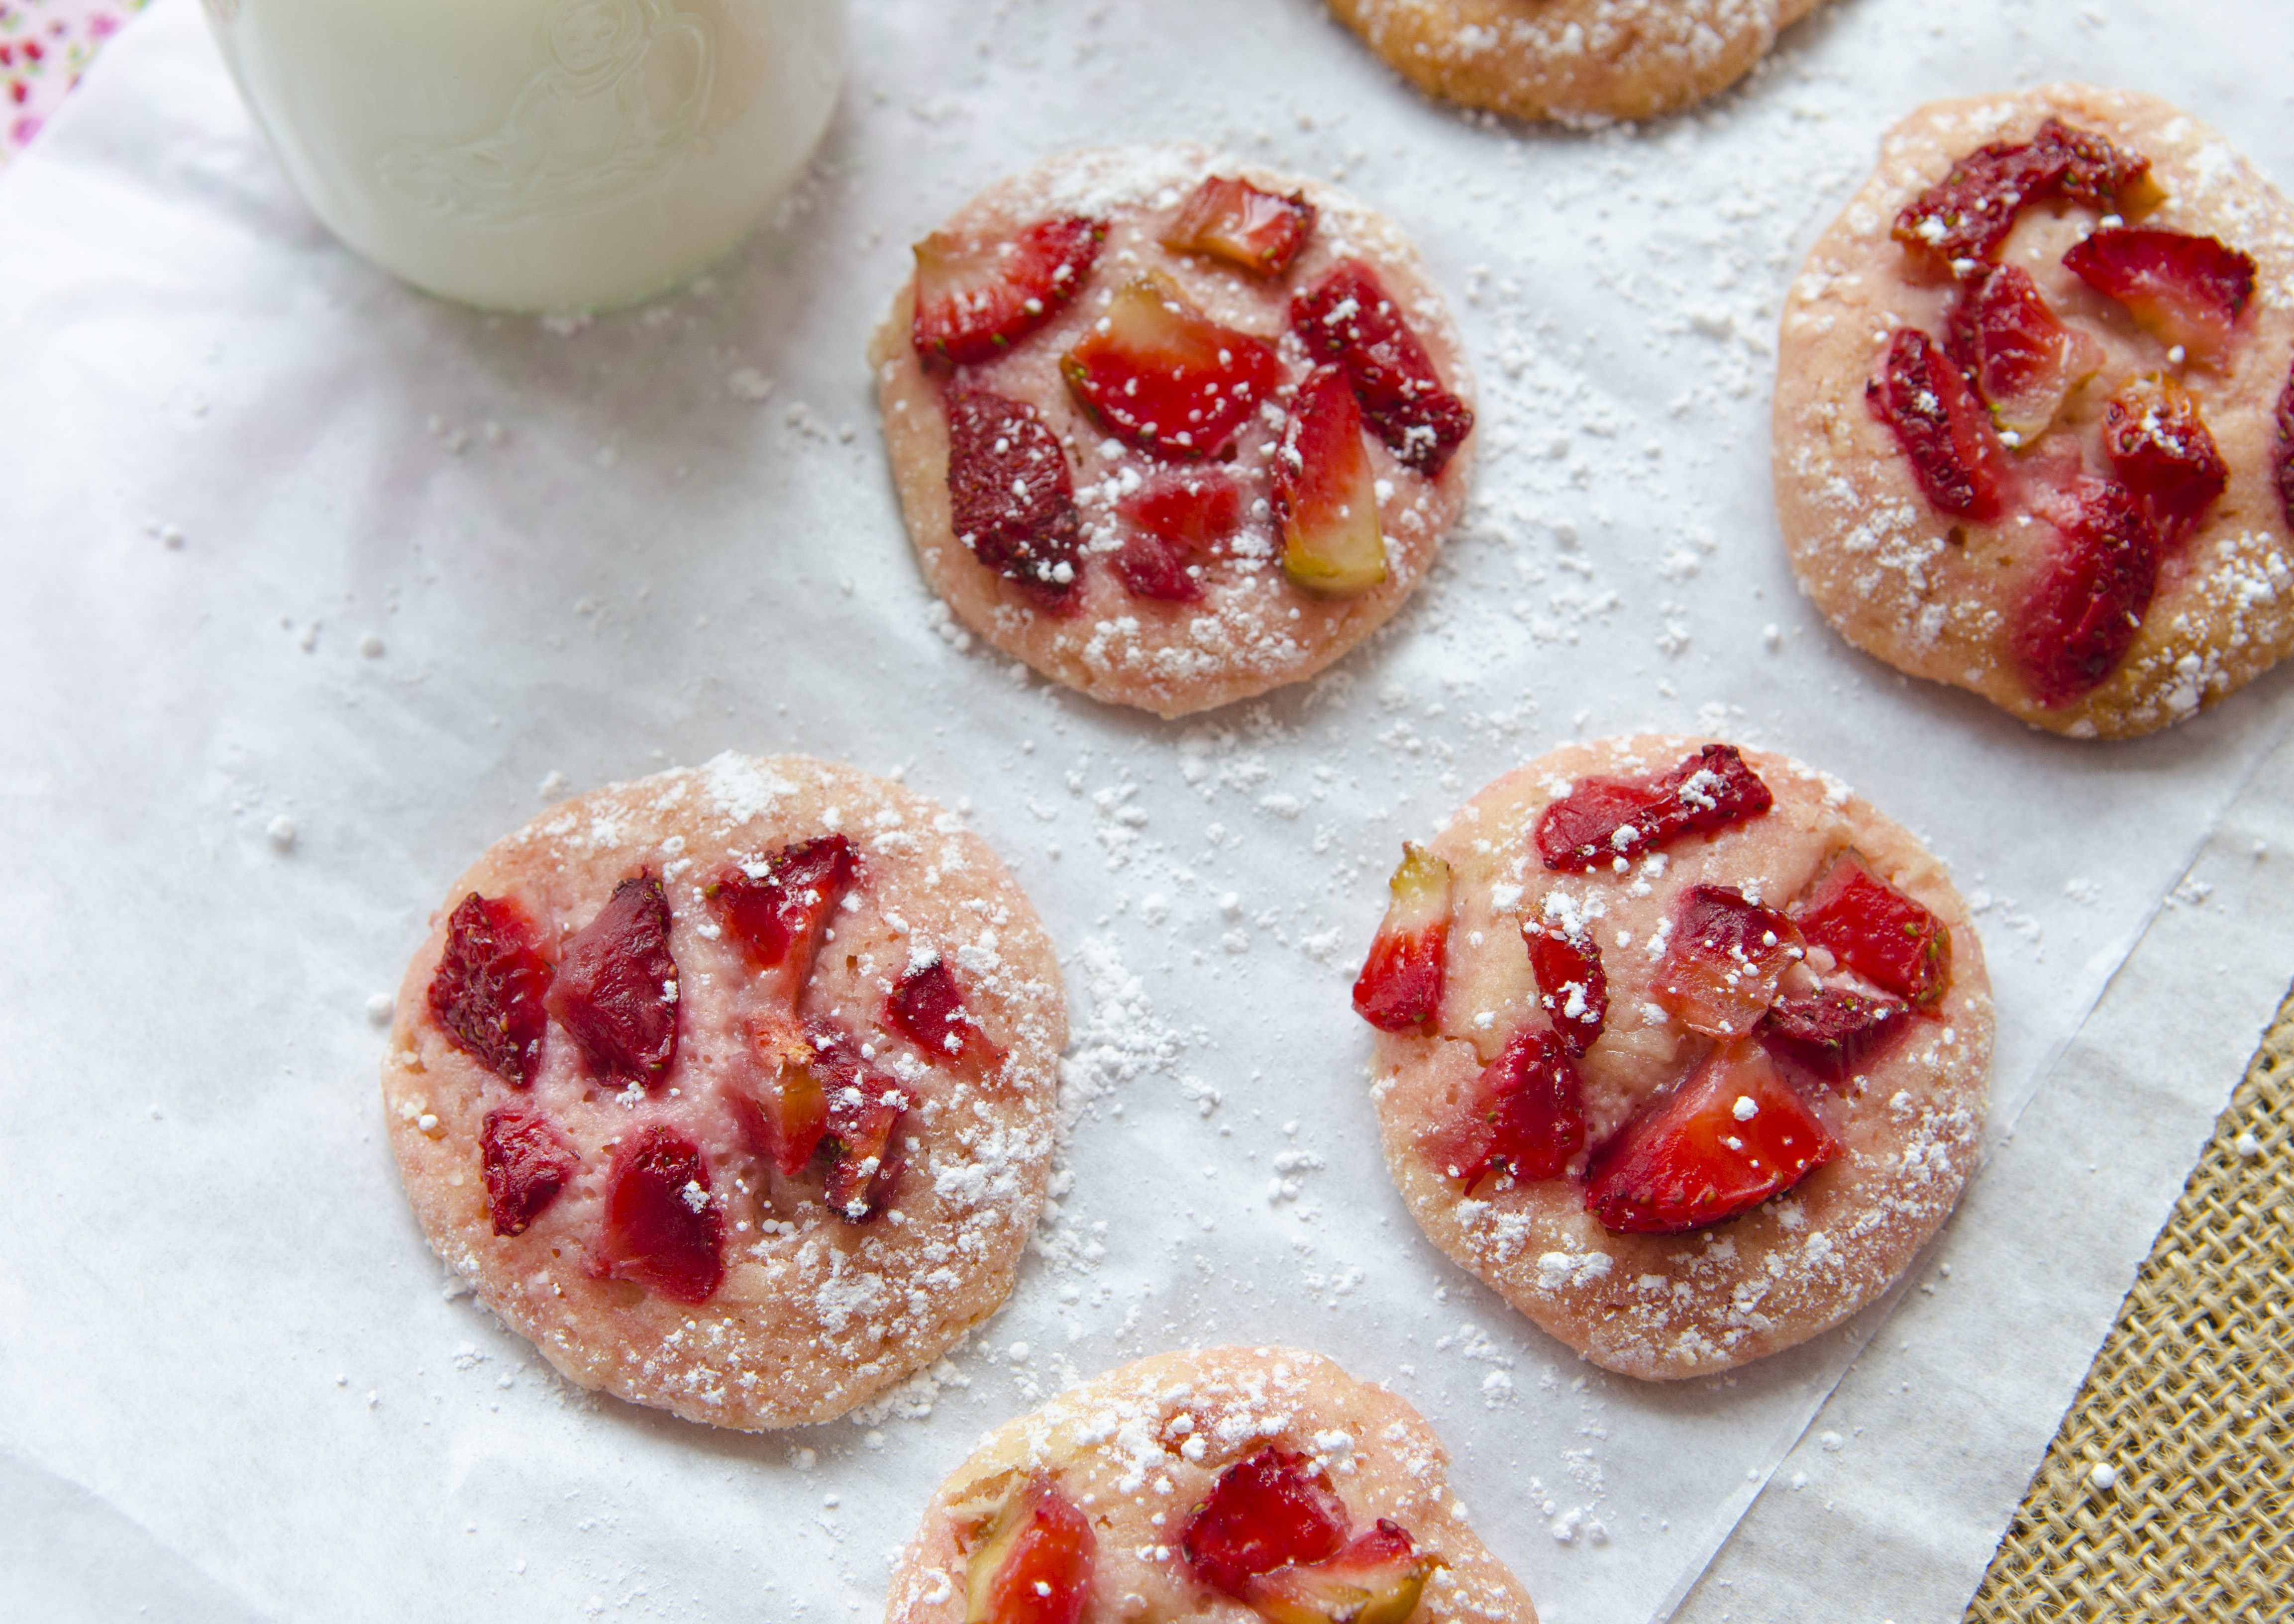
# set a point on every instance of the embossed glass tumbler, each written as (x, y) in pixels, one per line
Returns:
(538, 154)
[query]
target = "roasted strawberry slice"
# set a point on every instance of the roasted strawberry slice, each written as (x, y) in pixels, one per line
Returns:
(1831, 1031)
(2021, 359)
(2188, 290)
(2160, 448)
(1524, 1116)
(1870, 927)
(786, 1116)
(1940, 426)
(1723, 961)
(1571, 983)
(974, 300)
(865, 1106)
(777, 919)
(1263, 1512)
(487, 993)
(2087, 605)
(1733, 1133)
(1326, 493)
(1968, 215)
(926, 1007)
(1011, 496)
(616, 985)
(1180, 514)
(1033, 1565)
(1348, 320)
(1376, 1579)
(1400, 987)
(1158, 374)
(526, 1161)
(1606, 820)
(662, 1228)
(1233, 220)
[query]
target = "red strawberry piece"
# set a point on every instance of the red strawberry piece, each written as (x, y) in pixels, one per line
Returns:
(1263, 1512)
(1347, 319)
(487, 991)
(1831, 1031)
(1233, 220)
(616, 987)
(1400, 987)
(926, 1007)
(777, 919)
(2160, 449)
(1732, 1134)
(526, 1161)
(1524, 1116)
(1941, 427)
(974, 301)
(2281, 452)
(2188, 290)
(865, 1107)
(1160, 375)
(1606, 820)
(1377, 1579)
(786, 1115)
(1873, 928)
(1571, 983)
(1179, 515)
(662, 1228)
(2021, 359)
(1011, 496)
(1326, 491)
(1967, 215)
(1034, 1564)
(2087, 604)
(1723, 961)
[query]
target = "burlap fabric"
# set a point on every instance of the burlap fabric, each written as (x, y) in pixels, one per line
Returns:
(2168, 1493)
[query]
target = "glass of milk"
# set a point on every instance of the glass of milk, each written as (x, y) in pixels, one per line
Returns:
(544, 155)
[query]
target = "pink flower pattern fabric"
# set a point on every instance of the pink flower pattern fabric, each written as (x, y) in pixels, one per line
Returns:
(45, 46)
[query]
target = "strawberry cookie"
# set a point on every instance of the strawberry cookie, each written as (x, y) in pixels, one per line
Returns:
(2034, 424)
(732, 1089)
(1235, 1485)
(1171, 429)
(1680, 1048)
(1582, 61)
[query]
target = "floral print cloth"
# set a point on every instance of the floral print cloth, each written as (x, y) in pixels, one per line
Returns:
(45, 46)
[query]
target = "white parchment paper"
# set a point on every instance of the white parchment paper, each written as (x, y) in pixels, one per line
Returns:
(312, 586)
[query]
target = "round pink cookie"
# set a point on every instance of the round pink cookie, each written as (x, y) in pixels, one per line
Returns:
(804, 1200)
(1903, 1115)
(1958, 596)
(1250, 628)
(1135, 1452)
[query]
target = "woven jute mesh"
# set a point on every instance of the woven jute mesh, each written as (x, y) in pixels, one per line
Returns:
(2189, 1404)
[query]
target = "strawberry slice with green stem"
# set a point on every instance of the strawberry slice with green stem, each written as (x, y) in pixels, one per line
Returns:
(2187, 290)
(1729, 1136)
(489, 992)
(1326, 493)
(1348, 320)
(1233, 220)
(1400, 987)
(616, 987)
(975, 300)
(1011, 495)
(1160, 376)
(1034, 1562)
